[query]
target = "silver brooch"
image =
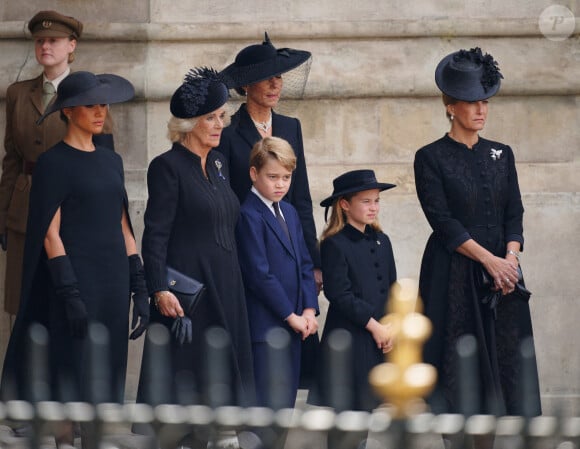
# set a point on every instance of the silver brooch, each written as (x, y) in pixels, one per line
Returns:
(495, 154)
(219, 166)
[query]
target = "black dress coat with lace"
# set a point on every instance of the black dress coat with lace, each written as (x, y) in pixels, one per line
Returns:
(472, 194)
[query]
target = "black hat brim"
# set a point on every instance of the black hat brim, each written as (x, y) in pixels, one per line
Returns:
(378, 185)
(286, 59)
(109, 89)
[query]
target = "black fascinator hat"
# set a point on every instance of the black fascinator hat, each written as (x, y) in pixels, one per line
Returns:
(468, 75)
(85, 89)
(202, 92)
(260, 62)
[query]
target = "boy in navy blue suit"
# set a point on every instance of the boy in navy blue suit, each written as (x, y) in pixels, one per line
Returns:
(276, 265)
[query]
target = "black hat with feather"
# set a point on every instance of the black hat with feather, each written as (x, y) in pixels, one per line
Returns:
(202, 92)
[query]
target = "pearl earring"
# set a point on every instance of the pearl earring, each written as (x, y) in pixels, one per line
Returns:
(452, 117)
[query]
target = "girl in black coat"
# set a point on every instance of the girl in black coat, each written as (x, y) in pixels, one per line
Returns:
(358, 268)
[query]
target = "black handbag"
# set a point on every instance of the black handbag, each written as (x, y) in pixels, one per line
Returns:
(187, 290)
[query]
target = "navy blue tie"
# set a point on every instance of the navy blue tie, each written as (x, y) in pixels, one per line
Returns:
(280, 219)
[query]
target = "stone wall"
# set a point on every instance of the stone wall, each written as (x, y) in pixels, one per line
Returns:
(370, 101)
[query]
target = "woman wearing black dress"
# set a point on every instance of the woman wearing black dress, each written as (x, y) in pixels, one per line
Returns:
(189, 225)
(81, 263)
(469, 192)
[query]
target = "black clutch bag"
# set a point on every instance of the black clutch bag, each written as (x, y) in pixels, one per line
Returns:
(485, 284)
(187, 290)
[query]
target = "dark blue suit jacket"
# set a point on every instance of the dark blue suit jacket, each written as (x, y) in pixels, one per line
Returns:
(278, 273)
(236, 144)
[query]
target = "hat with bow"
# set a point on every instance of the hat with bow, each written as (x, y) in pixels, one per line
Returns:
(260, 62)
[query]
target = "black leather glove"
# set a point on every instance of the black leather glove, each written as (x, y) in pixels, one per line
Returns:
(182, 329)
(140, 297)
(3, 241)
(66, 287)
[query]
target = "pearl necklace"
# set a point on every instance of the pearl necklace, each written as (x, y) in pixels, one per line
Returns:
(263, 126)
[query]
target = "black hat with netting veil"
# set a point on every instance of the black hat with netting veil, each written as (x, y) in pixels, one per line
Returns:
(86, 89)
(202, 92)
(468, 75)
(263, 61)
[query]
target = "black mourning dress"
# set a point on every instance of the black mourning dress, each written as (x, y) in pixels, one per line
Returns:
(189, 225)
(471, 194)
(89, 189)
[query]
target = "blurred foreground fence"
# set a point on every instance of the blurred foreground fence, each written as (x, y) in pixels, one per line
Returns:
(336, 427)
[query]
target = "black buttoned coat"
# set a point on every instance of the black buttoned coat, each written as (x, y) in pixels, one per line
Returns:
(472, 194)
(190, 224)
(358, 270)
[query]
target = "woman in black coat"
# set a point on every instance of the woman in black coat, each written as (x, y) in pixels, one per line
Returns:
(469, 192)
(257, 73)
(189, 225)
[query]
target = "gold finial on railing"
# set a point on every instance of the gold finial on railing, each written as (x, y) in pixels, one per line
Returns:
(404, 380)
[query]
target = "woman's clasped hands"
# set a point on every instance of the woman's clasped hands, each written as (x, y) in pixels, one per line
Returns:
(504, 273)
(382, 335)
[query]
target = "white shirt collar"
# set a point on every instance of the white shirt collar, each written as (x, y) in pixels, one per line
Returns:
(266, 201)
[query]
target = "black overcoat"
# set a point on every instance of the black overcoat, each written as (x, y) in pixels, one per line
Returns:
(471, 194)
(358, 270)
(190, 225)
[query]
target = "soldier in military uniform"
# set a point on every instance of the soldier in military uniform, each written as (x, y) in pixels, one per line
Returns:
(55, 39)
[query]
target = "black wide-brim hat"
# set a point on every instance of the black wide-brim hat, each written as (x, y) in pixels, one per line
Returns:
(260, 62)
(468, 75)
(352, 182)
(85, 89)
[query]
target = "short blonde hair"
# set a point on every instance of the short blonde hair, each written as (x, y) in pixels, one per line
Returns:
(273, 148)
(178, 128)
